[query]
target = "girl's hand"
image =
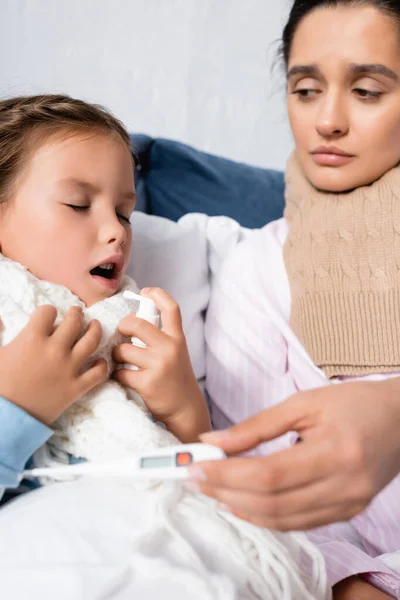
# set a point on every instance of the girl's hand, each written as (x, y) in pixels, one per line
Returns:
(41, 369)
(165, 379)
(350, 450)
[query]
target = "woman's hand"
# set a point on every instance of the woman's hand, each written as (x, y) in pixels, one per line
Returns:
(350, 450)
(165, 379)
(41, 369)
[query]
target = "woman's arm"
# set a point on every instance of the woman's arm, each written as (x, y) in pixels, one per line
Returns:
(350, 450)
(349, 567)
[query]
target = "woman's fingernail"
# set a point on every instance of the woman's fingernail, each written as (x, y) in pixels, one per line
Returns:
(197, 473)
(191, 486)
(214, 436)
(145, 290)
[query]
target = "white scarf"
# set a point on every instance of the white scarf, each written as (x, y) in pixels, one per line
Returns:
(252, 563)
(108, 422)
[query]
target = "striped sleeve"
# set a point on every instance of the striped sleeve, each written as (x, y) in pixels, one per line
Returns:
(345, 555)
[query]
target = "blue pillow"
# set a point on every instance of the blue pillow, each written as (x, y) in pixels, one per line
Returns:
(141, 144)
(175, 179)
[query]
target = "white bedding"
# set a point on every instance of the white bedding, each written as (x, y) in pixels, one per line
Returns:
(87, 541)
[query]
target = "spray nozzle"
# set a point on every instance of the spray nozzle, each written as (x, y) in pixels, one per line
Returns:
(147, 309)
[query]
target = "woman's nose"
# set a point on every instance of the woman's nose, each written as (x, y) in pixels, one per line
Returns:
(332, 120)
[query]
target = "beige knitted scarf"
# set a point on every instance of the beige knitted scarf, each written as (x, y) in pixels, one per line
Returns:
(342, 256)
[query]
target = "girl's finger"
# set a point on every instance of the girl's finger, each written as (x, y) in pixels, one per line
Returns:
(70, 328)
(132, 379)
(42, 320)
(133, 355)
(93, 377)
(148, 333)
(170, 312)
(88, 343)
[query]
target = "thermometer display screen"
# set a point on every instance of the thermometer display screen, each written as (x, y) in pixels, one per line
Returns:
(154, 462)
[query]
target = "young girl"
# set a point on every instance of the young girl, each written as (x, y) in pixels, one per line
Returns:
(317, 295)
(67, 193)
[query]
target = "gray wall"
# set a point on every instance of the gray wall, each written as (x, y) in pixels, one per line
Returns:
(194, 70)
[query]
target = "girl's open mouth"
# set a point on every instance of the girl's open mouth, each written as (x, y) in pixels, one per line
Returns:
(107, 271)
(107, 274)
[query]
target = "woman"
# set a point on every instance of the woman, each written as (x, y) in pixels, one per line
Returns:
(313, 299)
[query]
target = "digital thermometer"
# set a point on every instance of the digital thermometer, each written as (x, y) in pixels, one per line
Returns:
(165, 463)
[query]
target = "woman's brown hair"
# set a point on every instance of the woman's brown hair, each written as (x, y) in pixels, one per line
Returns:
(301, 8)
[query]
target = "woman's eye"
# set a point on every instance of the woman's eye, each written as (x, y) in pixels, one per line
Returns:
(367, 93)
(305, 94)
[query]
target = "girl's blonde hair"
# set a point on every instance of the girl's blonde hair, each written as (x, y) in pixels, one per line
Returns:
(27, 121)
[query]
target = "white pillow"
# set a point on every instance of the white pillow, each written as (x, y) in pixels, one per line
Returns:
(183, 258)
(222, 233)
(168, 255)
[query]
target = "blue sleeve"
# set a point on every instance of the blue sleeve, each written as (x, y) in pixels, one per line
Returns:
(20, 436)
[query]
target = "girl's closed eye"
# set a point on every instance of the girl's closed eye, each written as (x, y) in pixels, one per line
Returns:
(84, 208)
(78, 207)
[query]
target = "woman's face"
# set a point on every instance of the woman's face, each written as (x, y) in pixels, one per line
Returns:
(344, 96)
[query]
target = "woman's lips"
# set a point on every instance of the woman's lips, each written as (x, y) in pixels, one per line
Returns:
(331, 159)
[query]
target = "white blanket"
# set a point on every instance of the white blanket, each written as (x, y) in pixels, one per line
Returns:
(171, 539)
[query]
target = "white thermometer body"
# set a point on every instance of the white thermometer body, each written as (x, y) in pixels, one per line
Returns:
(165, 463)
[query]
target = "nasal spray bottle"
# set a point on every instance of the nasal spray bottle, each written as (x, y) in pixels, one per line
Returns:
(148, 311)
